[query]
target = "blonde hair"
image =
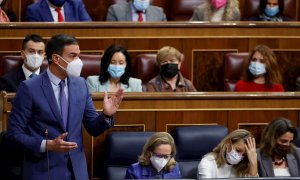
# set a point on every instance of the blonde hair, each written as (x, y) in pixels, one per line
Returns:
(241, 169)
(273, 75)
(167, 51)
(154, 141)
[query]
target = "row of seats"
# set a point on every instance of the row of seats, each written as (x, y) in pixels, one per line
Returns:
(176, 10)
(145, 67)
(192, 142)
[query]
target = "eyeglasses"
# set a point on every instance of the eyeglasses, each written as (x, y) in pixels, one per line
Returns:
(165, 156)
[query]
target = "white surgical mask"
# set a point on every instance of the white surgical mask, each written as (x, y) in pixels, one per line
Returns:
(141, 5)
(234, 157)
(159, 162)
(257, 68)
(73, 68)
(34, 60)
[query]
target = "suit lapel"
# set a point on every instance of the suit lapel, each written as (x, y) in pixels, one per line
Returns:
(50, 97)
(71, 100)
(267, 165)
(67, 12)
(45, 12)
(128, 12)
(292, 163)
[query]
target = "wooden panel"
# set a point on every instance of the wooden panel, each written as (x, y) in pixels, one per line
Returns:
(208, 68)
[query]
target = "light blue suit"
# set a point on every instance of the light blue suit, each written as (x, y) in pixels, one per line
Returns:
(35, 109)
(74, 10)
(94, 85)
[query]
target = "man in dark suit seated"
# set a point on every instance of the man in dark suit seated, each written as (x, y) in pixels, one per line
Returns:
(135, 10)
(33, 54)
(57, 11)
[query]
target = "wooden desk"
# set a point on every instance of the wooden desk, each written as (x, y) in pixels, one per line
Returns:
(166, 111)
(203, 44)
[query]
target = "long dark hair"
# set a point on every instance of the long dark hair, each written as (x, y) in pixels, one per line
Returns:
(105, 62)
(273, 131)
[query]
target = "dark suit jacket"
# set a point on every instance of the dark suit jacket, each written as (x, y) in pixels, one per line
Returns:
(40, 12)
(265, 167)
(11, 81)
(122, 12)
(35, 109)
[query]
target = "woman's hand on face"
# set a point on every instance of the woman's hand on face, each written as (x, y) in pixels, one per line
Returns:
(251, 150)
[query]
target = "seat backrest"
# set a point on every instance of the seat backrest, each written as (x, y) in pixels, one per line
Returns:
(251, 9)
(91, 64)
(146, 68)
(192, 142)
(10, 62)
(182, 10)
(233, 67)
(297, 141)
(121, 150)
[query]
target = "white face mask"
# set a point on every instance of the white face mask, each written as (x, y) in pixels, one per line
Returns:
(257, 68)
(159, 162)
(234, 157)
(73, 68)
(34, 60)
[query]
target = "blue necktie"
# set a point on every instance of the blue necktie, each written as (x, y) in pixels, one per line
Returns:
(32, 75)
(63, 103)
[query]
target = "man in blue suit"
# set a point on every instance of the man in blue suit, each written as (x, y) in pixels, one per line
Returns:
(48, 112)
(57, 11)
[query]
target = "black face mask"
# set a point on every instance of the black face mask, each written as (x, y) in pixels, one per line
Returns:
(281, 150)
(58, 3)
(169, 70)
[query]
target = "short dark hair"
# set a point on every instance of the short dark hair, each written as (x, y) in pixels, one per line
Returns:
(57, 43)
(105, 61)
(31, 37)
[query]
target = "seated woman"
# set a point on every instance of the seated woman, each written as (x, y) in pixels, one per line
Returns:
(270, 10)
(115, 73)
(235, 156)
(217, 10)
(277, 155)
(169, 79)
(157, 159)
(260, 72)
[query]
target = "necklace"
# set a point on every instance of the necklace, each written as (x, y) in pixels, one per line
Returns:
(279, 162)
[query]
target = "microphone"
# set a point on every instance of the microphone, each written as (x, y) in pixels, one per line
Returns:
(47, 154)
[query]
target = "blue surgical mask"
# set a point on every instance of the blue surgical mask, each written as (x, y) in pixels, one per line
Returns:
(116, 71)
(141, 5)
(257, 68)
(272, 11)
(58, 3)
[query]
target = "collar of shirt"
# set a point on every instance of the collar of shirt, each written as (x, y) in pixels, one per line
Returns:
(135, 15)
(179, 83)
(27, 72)
(54, 79)
(54, 13)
